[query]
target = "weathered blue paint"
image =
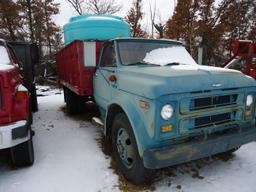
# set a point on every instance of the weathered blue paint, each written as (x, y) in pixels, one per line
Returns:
(184, 152)
(163, 85)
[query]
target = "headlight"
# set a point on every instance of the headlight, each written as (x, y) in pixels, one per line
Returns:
(249, 100)
(167, 112)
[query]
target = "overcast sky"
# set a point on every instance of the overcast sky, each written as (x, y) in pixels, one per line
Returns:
(165, 9)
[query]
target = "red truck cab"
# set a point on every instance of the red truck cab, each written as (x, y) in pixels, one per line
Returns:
(243, 57)
(15, 109)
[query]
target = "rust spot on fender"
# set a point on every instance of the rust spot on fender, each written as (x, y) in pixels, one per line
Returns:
(152, 125)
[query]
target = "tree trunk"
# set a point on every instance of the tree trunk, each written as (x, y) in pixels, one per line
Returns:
(32, 38)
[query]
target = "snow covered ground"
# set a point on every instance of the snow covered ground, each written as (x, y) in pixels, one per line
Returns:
(69, 157)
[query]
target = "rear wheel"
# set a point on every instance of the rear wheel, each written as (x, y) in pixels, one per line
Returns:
(23, 154)
(75, 103)
(126, 153)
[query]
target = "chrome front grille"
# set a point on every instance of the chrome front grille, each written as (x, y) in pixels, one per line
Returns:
(211, 102)
(212, 120)
(198, 111)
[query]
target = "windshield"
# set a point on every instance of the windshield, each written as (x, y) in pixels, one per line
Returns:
(156, 53)
(4, 57)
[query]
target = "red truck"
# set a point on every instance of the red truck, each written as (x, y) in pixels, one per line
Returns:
(16, 100)
(243, 57)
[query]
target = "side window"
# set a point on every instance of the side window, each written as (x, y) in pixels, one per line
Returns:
(108, 57)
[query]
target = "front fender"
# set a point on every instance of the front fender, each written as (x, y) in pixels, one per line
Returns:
(130, 106)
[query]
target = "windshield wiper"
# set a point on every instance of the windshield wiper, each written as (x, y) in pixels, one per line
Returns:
(171, 64)
(141, 63)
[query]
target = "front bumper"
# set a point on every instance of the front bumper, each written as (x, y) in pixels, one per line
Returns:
(14, 134)
(176, 154)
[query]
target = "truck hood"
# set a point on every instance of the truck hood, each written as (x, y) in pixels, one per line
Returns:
(155, 81)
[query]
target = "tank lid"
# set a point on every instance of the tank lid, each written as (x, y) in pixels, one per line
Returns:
(87, 16)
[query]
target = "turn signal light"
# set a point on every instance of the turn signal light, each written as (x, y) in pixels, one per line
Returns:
(21, 95)
(112, 78)
(167, 128)
(144, 105)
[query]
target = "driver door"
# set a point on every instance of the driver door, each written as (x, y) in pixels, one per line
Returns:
(105, 77)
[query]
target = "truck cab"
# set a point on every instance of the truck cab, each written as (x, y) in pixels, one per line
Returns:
(243, 57)
(15, 109)
(160, 108)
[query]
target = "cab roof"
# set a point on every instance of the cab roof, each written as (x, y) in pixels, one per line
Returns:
(145, 39)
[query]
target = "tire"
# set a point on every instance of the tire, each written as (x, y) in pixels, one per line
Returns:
(65, 90)
(125, 151)
(23, 154)
(75, 103)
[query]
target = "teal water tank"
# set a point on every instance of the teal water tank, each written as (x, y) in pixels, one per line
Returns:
(95, 27)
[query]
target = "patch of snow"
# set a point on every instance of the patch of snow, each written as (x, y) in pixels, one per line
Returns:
(97, 120)
(203, 67)
(178, 54)
(67, 155)
(175, 54)
(47, 91)
(185, 67)
(22, 88)
(249, 77)
(4, 57)
(6, 67)
(211, 68)
(236, 174)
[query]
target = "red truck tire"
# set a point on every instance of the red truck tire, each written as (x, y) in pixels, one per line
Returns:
(23, 154)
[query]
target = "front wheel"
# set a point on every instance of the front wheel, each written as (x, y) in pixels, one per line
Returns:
(125, 151)
(23, 154)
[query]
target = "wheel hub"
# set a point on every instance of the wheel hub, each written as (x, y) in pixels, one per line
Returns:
(124, 148)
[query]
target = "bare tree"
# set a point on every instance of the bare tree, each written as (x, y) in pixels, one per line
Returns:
(77, 5)
(103, 6)
(152, 17)
(95, 6)
(159, 26)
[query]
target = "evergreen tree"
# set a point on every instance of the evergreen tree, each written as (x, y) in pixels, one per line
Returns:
(49, 9)
(134, 17)
(10, 23)
(28, 10)
(182, 26)
(37, 19)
